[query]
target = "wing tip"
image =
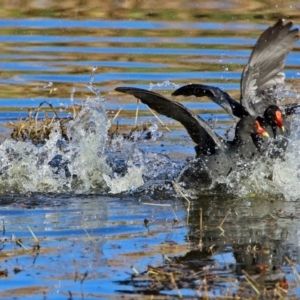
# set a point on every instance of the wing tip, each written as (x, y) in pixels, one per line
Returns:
(121, 89)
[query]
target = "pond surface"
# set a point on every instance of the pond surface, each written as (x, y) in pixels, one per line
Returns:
(98, 233)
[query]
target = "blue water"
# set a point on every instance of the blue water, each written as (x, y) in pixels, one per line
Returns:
(105, 235)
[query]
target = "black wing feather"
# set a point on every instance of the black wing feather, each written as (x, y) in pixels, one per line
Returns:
(264, 68)
(201, 133)
(220, 97)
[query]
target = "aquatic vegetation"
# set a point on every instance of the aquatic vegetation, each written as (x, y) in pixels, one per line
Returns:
(37, 130)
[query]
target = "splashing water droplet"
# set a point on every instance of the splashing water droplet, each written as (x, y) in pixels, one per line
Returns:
(165, 83)
(48, 85)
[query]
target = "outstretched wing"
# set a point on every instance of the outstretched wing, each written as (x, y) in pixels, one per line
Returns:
(266, 62)
(220, 97)
(200, 132)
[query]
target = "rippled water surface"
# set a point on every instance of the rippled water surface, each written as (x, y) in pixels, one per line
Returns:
(96, 233)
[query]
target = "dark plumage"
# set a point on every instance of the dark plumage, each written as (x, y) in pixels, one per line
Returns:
(217, 157)
(258, 105)
(259, 81)
(272, 116)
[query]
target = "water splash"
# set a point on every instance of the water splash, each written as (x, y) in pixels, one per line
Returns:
(85, 163)
(90, 84)
(134, 168)
(126, 182)
(264, 176)
(278, 177)
(76, 165)
(165, 83)
(286, 172)
(89, 162)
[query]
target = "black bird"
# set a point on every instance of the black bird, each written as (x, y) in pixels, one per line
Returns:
(260, 78)
(215, 156)
(271, 117)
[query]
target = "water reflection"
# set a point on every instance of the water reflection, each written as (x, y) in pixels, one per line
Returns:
(236, 237)
(100, 236)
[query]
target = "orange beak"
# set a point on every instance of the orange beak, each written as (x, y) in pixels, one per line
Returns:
(261, 130)
(279, 121)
